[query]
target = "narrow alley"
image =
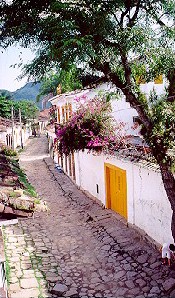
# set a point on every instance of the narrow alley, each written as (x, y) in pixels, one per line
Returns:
(76, 248)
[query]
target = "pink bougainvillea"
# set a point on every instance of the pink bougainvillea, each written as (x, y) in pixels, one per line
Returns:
(52, 113)
(91, 127)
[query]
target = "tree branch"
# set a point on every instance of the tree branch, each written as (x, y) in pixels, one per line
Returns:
(124, 13)
(125, 88)
(134, 17)
(171, 87)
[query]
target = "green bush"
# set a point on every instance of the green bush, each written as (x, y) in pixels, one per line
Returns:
(8, 151)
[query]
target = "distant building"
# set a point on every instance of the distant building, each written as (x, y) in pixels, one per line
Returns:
(14, 135)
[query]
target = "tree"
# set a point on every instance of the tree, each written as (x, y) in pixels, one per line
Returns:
(118, 40)
(6, 94)
(28, 109)
(5, 107)
(67, 79)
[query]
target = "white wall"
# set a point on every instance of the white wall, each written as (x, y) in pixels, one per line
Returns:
(26, 133)
(89, 171)
(122, 112)
(4, 133)
(148, 206)
(152, 208)
(158, 88)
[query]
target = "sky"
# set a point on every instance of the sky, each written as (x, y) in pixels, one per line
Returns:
(8, 75)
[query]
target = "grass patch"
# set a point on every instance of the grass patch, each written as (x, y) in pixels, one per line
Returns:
(20, 150)
(28, 188)
(8, 151)
(39, 279)
(13, 194)
(37, 201)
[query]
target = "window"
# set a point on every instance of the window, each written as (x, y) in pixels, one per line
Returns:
(58, 115)
(140, 80)
(63, 114)
(158, 80)
(70, 109)
(66, 114)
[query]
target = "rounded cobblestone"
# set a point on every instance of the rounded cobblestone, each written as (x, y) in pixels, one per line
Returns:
(76, 247)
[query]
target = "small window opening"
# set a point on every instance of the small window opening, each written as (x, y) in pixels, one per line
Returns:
(97, 188)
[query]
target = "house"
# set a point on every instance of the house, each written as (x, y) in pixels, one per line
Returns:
(130, 186)
(14, 134)
(43, 119)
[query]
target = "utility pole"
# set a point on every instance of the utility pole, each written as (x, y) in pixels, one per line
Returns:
(20, 127)
(12, 116)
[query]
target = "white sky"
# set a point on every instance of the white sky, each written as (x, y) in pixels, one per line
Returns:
(9, 74)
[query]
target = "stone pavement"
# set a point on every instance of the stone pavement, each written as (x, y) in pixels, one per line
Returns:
(77, 248)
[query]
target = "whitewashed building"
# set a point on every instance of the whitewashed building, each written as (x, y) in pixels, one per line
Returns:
(133, 189)
(14, 135)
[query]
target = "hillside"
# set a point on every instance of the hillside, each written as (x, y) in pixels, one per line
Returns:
(5, 93)
(29, 91)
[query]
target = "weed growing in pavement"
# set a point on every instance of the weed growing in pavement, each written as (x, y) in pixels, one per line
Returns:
(34, 266)
(20, 150)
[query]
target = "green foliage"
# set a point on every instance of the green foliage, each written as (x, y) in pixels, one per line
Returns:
(8, 151)
(90, 34)
(29, 189)
(5, 107)
(28, 109)
(117, 40)
(164, 122)
(68, 79)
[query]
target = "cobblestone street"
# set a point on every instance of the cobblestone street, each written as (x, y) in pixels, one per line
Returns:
(77, 248)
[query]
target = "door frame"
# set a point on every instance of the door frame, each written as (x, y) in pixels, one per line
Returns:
(107, 167)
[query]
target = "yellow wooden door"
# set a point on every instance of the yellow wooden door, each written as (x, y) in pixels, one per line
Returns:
(116, 189)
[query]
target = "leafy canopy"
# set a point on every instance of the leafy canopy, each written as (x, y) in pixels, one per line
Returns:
(28, 109)
(67, 79)
(117, 40)
(91, 33)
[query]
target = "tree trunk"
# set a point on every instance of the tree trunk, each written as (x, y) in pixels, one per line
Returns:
(163, 160)
(160, 154)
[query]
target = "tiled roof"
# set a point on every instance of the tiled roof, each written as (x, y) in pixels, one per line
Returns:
(44, 115)
(5, 122)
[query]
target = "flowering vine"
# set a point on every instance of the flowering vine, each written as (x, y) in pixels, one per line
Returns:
(91, 127)
(52, 113)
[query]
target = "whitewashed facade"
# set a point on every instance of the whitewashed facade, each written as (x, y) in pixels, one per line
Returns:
(6, 133)
(147, 204)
